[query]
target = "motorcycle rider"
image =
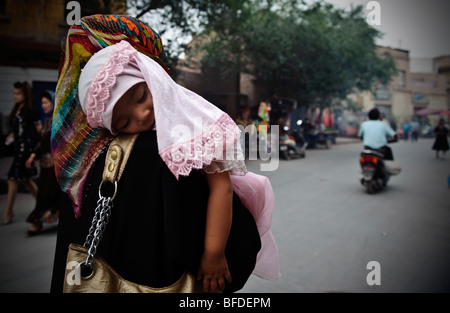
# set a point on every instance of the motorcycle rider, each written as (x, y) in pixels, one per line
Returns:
(374, 134)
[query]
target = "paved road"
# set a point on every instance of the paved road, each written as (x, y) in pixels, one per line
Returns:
(25, 263)
(326, 226)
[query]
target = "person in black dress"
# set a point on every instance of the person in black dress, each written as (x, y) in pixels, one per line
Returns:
(48, 187)
(156, 230)
(25, 125)
(440, 143)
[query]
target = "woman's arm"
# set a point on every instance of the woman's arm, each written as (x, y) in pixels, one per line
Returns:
(30, 160)
(214, 267)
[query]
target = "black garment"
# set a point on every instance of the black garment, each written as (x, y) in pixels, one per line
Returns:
(157, 225)
(24, 143)
(440, 143)
(385, 150)
(48, 187)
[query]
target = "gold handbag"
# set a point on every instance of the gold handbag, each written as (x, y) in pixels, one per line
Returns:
(86, 272)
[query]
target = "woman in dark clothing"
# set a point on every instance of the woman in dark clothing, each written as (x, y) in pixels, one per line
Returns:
(440, 143)
(25, 124)
(48, 188)
(157, 225)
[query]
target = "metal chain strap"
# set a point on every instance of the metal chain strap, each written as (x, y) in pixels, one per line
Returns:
(95, 219)
(101, 218)
(118, 152)
(99, 222)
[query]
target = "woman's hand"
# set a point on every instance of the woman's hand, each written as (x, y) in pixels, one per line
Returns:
(214, 271)
(30, 160)
(9, 139)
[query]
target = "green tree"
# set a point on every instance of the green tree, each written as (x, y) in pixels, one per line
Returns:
(181, 18)
(314, 53)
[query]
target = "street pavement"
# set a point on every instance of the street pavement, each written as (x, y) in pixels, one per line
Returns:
(326, 226)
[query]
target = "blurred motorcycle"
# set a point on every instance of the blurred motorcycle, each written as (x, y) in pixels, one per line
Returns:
(292, 144)
(376, 171)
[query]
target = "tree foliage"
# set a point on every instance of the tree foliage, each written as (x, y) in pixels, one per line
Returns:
(313, 53)
(224, 46)
(182, 18)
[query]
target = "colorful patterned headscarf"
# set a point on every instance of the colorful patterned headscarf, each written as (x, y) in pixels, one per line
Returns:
(75, 145)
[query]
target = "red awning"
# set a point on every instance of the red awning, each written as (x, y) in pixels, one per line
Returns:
(444, 112)
(427, 112)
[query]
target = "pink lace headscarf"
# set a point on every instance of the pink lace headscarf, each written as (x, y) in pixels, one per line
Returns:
(191, 132)
(104, 80)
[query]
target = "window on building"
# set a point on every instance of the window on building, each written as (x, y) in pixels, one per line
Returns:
(401, 79)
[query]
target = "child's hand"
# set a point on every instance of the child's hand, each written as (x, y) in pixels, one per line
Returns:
(214, 271)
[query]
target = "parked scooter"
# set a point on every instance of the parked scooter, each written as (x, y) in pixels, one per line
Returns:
(292, 145)
(376, 170)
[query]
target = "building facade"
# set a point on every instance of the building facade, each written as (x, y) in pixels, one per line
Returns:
(411, 95)
(31, 32)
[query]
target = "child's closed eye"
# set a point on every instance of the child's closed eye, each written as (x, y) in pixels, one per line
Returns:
(125, 124)
(142, 98)
(121, 125)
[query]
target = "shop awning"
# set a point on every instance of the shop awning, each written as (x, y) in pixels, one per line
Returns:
(423, 112)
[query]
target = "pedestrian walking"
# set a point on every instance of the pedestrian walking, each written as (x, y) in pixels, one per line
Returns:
(25, 124)
(159, 219)
(406, 127)
(440, 142)
(46, 209)
(415, 126)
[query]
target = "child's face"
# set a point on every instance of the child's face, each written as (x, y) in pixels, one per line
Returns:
(133, 113)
